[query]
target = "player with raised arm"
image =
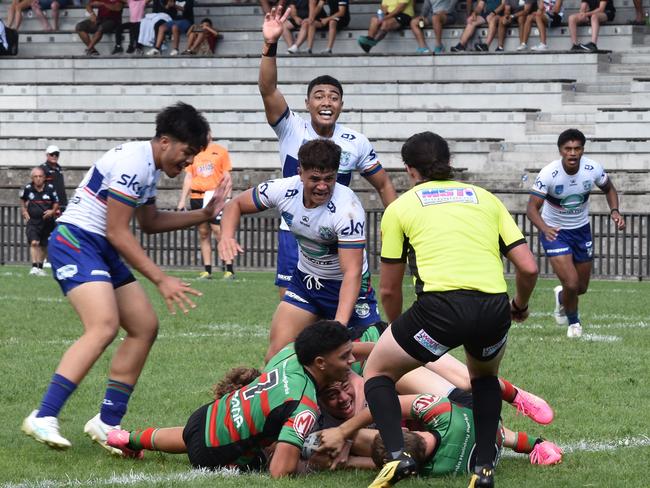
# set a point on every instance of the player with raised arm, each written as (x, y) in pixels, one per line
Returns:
(279, 405)
(86, 251)
(332, 280)
(324, 103)
(561, 191)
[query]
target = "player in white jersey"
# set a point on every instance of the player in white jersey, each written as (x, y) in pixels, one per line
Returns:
(85, 251)
(332, 279)
(561, 191)
(324, 102)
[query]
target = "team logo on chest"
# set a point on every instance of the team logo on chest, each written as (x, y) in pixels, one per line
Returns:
(586, 185)
(326, 233)
(559, 189)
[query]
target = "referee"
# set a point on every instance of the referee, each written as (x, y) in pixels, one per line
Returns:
(452, 235)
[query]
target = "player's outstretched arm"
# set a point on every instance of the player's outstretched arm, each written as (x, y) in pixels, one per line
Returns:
(274, 103)
(381, 182)
(243, 203)
(152, 220)
(118, 233)
(285, 460)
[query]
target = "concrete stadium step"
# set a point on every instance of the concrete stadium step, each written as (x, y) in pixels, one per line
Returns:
(543, 94)
(348, 69)
(245, 153)
(623, 122)
(248, 42)
(481, 124)
(640, 92)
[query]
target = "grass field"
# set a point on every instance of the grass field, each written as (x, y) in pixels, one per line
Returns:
(598, 386)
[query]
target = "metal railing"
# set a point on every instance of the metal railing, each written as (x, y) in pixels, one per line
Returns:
(616, 254)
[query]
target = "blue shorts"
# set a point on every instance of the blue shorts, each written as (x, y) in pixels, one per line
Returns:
(287, 258)
(577, 242)
(79, 257)
(47, 4)
(321, 297)
(183, 25)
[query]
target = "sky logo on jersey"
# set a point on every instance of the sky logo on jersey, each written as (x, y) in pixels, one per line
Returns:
(430, 344)
(436, 196)
(304, 423)
(353, 228)
(131, 182)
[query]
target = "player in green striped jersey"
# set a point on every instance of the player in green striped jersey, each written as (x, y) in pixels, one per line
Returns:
(279, 405)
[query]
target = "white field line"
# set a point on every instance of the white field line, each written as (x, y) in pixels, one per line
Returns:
(189, 476)
(31, 298)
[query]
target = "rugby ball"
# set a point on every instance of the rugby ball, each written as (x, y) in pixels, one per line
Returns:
(310, 445)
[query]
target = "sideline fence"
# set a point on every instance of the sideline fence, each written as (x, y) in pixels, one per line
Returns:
(616, 254)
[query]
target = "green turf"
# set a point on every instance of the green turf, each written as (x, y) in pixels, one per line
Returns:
(598, 385)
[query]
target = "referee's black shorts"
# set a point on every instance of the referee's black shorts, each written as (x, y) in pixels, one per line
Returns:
(440, 321)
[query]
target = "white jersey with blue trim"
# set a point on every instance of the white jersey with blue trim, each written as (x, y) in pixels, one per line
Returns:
(320, 231)
(126, 173)
(357, 154)
(566, 197)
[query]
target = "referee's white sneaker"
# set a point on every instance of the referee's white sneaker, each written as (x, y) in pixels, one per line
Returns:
(574, 331)
(98, 432)
(558, 313)
(45, 430)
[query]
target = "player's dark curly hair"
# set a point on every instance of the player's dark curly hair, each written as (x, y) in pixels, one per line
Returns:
(414, 444)
(571, 135)
(429, 154)
(318, 339)
(325, 80)
(184, 123)
(319, 154)
(235, 379)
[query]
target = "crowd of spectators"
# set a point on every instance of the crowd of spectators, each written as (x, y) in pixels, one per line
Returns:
(169, 20)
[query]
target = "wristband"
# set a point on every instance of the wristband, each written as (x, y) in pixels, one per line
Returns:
(517, 309)
(270, 50)
(613, 210)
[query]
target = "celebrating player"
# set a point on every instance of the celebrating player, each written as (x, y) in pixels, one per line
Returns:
(279, 405)
(324, 103)
(561, 191)
(85, 250)
(332, 280)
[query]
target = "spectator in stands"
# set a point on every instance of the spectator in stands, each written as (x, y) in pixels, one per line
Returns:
(15, 13)
(594, 13)
(338, 18)
(436, 13)
(136, 13)
(392, 15)
(202, 39)
(55, 5)
(39, 207)
(107, 19)
(204, 175)
(54, 175)
(182, 14)
(149, 27)
(300, 17)
(549, 13)
(481, 14)
(639, 18)
(517, 12)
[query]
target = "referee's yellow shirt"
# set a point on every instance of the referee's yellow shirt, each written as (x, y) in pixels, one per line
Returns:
(453, 235)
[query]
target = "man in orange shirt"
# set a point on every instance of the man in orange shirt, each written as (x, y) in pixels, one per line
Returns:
(204, 175)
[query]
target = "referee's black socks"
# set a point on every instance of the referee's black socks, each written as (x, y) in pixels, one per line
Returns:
(386, 412)
(486, 396)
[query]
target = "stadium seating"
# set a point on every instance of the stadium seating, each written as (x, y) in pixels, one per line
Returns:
(501, 112)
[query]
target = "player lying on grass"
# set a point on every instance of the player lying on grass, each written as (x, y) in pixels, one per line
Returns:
(332, 280)
(453, 371)
(279, 405)
(442, 439)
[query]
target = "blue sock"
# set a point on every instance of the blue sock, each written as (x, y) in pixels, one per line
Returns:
(573, 318)
(56, 395)
(115, 402)
(559, 296)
